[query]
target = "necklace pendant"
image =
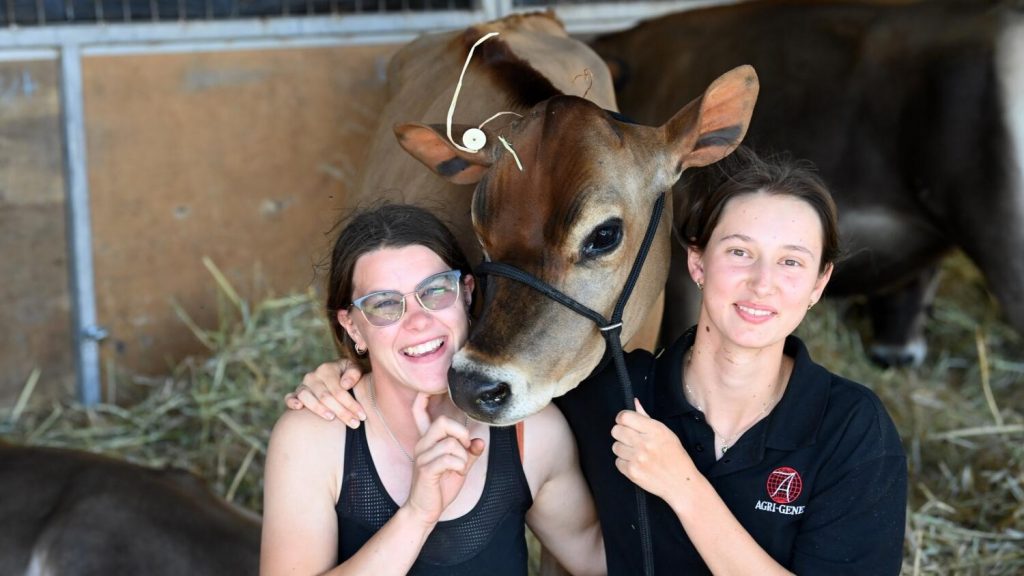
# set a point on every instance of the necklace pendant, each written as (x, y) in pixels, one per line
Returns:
(725, 448)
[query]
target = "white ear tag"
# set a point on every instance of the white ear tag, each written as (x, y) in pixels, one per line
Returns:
(474, 139)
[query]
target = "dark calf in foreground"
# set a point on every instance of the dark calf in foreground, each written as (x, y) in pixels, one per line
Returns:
(65, 512)
(913, 112)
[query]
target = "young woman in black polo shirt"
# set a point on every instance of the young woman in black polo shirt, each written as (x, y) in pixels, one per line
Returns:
(762, 461)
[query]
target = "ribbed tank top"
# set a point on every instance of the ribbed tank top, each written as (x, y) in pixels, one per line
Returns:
(489, 539)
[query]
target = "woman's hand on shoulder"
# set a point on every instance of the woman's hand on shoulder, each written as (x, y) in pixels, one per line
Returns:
(444, 455)
(325, 392)
(650, 454)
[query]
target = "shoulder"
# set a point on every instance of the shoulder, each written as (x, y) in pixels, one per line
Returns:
(548, 444)
(843, 410)
(303, 443)
(842, 422)
(546, 429)
(303, 426)
(857, 426)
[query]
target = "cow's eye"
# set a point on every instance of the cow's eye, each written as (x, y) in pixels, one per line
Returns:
(604, 239)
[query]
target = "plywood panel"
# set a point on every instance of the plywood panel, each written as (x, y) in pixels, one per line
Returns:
(34, 301)
(244, 157)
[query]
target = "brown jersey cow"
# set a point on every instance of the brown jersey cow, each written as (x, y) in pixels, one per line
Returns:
(70, 513)
(913, 112)
(564, 191)
(531, 60)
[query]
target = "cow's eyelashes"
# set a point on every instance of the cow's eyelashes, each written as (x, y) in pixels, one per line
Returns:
(604, 239)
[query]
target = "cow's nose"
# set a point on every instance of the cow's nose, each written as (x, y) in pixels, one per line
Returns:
(480, 397)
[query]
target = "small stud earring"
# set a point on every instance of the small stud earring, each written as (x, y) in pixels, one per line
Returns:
(700, 285)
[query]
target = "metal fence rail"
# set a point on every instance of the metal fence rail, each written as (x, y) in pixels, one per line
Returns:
(69, 12)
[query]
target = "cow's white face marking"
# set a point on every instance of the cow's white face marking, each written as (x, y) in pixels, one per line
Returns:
(1010, 70)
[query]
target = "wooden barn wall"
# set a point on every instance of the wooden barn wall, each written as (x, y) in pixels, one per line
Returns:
(34, 298)
(244, 157)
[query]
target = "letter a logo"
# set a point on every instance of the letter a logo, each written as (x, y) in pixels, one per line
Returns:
(784, 485)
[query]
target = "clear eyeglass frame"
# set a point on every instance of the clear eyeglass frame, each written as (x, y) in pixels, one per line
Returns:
(435, 292)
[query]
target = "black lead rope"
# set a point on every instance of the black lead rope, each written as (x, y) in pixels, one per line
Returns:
(611, 329)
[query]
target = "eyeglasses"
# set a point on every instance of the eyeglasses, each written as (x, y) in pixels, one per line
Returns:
(434, 293)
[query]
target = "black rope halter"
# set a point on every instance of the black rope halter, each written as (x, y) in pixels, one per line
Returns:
(611, 329)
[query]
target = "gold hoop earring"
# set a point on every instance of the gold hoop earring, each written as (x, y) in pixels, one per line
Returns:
(700, 285)
(360, 351)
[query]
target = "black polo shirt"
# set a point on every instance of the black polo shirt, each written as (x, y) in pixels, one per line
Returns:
(820, 483)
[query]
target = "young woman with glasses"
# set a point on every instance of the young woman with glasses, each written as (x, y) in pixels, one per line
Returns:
(756, 460)
(419, 488)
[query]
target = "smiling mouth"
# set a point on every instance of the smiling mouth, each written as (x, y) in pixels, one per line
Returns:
(423, 349)
(754, 311)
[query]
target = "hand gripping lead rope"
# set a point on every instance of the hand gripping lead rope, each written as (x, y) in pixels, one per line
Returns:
(611, 329)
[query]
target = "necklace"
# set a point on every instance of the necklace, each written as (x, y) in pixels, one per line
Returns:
(376, 408)
(727, 441)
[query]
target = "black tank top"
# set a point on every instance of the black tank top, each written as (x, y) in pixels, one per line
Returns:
(489, 539)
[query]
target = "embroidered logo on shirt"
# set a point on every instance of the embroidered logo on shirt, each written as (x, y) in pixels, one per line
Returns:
(784, 487)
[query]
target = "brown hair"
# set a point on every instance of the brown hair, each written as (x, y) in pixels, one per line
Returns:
(383, 226)
(707, 191)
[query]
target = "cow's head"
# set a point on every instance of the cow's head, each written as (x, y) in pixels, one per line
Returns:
(573, 216)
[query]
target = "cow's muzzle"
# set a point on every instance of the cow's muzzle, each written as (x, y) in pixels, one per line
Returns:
(481, 397)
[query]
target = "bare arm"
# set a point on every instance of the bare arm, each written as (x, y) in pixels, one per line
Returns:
(563, 515)
(651, 456)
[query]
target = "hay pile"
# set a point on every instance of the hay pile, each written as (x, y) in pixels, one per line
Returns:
(960, 416)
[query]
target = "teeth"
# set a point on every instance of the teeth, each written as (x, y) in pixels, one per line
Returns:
(425, 348)
(754, 312)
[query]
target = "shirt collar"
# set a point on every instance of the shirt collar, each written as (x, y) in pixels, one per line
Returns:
(792, 423)
(670, 400)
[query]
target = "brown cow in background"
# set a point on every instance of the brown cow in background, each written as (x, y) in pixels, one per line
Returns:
(913, 112)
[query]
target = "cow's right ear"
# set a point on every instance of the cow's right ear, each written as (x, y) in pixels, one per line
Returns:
(430, 145)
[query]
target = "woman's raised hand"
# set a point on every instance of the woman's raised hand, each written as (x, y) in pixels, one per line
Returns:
(325, 391)
(444, 455)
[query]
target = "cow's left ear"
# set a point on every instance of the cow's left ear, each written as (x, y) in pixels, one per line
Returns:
(430, 145)
(712, 126)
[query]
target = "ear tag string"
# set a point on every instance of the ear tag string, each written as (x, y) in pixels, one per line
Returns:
(474, 139)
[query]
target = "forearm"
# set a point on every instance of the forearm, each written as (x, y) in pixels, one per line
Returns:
(392, 550)
(722, 542)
